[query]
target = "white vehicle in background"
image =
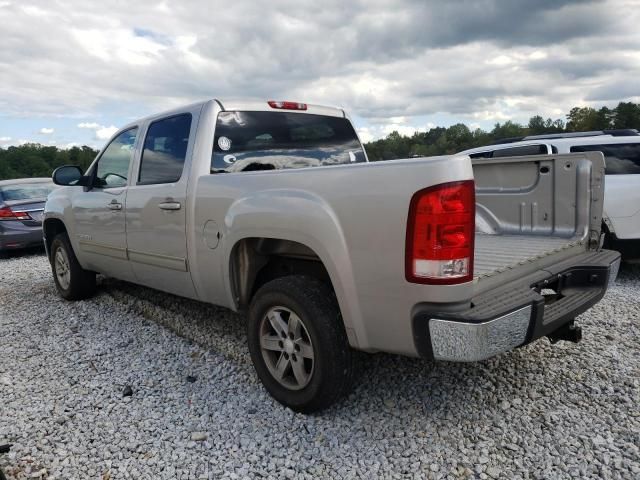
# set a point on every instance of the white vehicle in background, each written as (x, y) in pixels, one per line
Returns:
(621, 149)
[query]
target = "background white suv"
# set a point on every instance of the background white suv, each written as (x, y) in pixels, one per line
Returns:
(621, 149)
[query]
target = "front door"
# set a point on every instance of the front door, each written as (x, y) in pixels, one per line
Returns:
(156, 208)
(99, 211)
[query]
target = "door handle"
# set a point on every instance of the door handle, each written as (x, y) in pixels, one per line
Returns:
(170, 205)
(115, 206)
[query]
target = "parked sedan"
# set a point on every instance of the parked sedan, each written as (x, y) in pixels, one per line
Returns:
(21, 206)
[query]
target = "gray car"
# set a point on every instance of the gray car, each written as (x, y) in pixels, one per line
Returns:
(21, 206)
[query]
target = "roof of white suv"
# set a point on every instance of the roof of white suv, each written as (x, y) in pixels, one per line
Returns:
(566, 140)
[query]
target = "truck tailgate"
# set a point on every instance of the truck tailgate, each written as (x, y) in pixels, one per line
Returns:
(533, 212)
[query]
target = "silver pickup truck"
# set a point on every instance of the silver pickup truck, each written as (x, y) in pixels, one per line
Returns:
(272, 209)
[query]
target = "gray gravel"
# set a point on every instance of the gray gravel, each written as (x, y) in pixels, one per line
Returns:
(197, 411)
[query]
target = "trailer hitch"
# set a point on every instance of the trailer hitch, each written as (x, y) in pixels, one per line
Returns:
(569, 332)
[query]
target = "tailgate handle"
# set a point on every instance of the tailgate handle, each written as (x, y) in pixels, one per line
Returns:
(170, 205)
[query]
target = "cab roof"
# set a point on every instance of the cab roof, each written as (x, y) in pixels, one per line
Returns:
(242, 105)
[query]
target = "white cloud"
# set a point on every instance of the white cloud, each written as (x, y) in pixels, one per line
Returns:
(407, 130)
(32, 10)
(5, 139)
(102, 132)
(365, 134)
(491, 115)
(538, 55)
(46, 131)
(105, 133)
(501, 60)
(120, 44)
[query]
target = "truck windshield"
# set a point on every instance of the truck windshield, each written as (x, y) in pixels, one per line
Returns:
(246, 141)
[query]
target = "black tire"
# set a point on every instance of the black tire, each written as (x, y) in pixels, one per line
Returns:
(81, 283)
(315, 305)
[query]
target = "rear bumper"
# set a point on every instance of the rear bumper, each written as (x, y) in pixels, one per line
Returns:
(519, 313)
(15, 237)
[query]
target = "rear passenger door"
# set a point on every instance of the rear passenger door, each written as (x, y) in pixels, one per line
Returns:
(156, 206)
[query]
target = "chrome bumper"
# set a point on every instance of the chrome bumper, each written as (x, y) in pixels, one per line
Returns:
(484, 330)
(613, 272)
(469, 342)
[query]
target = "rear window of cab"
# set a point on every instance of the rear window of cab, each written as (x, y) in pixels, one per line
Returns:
(249, 141)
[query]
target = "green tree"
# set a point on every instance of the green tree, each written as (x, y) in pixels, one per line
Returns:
(583, 119)
(537, 125)
(626, 115)
(508, 129)
(35, 160)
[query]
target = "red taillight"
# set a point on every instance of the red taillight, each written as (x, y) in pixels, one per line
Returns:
(440, 234)
(7, 214)
(287, 105)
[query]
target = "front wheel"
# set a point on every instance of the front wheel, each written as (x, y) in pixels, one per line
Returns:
(72, 281)
(298, 344)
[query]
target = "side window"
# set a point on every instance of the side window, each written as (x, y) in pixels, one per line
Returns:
(113, 165)
(621, 158)
(520, 151)
(165, 150)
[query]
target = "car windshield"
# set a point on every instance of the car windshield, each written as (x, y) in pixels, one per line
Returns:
(246, 141)
(25, 191)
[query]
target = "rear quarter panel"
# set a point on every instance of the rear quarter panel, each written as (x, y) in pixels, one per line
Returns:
(352, 216)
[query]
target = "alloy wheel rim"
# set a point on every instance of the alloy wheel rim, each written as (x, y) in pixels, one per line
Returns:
(287, 348)
(63, 272)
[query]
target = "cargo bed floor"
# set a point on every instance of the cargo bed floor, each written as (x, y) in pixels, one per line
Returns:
(497, 253)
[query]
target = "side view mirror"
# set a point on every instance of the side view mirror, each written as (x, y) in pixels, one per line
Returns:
(69, 175)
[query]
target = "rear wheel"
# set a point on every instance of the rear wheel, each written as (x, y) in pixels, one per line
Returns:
(298, 344)
(72, 281)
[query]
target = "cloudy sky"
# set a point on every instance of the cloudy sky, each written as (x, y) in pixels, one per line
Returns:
(72, 71)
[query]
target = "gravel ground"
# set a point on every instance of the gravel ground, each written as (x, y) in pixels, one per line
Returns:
(197, 410)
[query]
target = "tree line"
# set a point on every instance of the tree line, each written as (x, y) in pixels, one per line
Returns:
(35, 160)
(458, 137)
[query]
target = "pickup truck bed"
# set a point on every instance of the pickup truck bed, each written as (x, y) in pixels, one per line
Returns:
(495, 254)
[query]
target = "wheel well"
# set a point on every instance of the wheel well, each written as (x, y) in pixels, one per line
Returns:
(51, 228)
(256, 261)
